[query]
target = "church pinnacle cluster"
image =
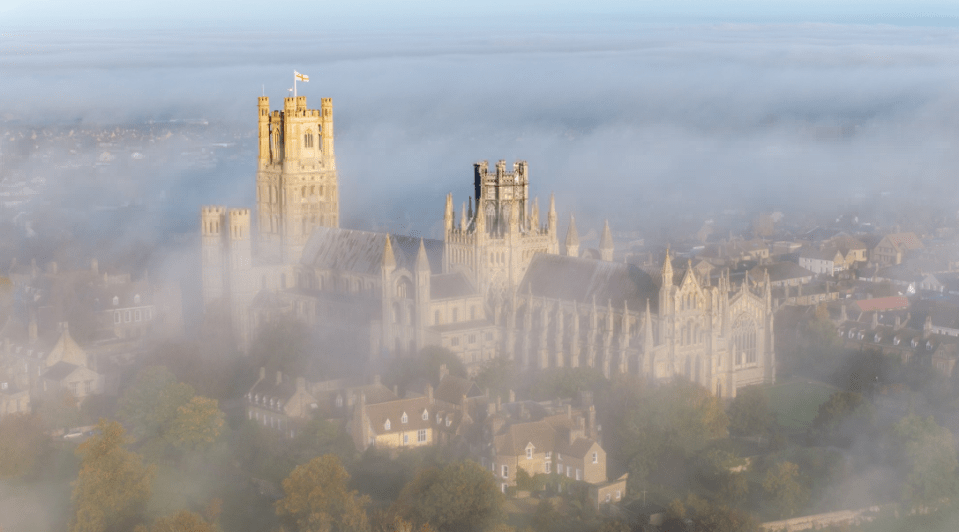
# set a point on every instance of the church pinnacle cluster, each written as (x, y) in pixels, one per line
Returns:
(497, 285)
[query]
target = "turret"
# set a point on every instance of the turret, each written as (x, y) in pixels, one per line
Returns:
(448, 213)
(326, 132)
(667, 270)
(263, 110)
(389, 259)
(213, 252)
(606, 244)
(572, 239)
(534, 223)
(551, 215)
(422, 293)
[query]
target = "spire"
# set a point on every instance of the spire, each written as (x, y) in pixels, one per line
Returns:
(389, 260)
(463, 217)
(606, 244)
(572, 239)
(667, 270)
(422, 262)
(647, 330)
(469, 206)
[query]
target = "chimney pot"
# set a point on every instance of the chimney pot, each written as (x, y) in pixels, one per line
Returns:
(279, 377)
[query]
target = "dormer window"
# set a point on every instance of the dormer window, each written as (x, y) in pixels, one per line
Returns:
(116, 301)
(914, 342)
(851, 333)
(449, 420)
(895, 341)
(426, 415)
(339, 401)
(929, 346)
(405, 418)
(529, 452)
(438, 418)
(876, 338)
(386, 425)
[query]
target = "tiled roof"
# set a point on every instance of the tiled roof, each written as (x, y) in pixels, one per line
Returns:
(450, 285)
(59, 371)
(570, 278)
(883, 303)
(452, 389)
(332, 248)
(393, 411)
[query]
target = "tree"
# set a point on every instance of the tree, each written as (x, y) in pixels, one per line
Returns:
(783, 488)
(499, 376)
(715, 518)
(545, 517)
(150, 405)
(749, 411)
(23, 444)
(425, 365)
(58, 411)
(462, 496)
(844, 417)
(647, 424)
(183, 521)
(318, 500)
(566, 383)
(197, 424)
(926, 457)
(113, 485)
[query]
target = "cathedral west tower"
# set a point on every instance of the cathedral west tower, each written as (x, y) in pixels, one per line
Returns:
(296, 180)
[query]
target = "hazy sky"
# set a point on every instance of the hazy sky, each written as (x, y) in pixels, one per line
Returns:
(629, 110)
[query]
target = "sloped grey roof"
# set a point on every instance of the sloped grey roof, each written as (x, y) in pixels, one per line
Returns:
(59, 371)
(576, 279)
(450, 285)
(333, 248)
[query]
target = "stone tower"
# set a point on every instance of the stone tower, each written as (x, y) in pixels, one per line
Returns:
(496, 242)
(296, 180)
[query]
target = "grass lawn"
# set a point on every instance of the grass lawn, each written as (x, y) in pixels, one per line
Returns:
(796, 403)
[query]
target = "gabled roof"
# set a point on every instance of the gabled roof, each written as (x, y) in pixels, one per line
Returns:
(60, 371)
(450, 285)
(393, 411)
(904, 241)
(780, 271)
(514, 438)
(333, 248)
(581, 280)
(452, 389)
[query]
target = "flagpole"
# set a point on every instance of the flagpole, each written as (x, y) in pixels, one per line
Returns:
(294, 83)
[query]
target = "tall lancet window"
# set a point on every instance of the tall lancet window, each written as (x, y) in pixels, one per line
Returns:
(744, 340)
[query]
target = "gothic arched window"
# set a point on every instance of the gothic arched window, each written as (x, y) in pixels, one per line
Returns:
(744, 340)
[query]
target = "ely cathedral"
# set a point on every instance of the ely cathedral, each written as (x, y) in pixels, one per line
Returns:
(499, 284)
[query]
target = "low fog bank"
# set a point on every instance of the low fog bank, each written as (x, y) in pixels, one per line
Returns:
(631, 124)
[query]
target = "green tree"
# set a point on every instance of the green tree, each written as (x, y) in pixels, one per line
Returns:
(749, 411)
(784, 489)
(647, 424)
(926, 456)
(198, 423)
(113, 485)
(545, 517)
(499, 376)
(318, 500)
(844, 417)
(23, 445)
(182, 521)
(462, 496)
(58, 411)
(150, 405)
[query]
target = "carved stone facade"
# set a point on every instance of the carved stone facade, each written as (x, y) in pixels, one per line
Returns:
(495, 286)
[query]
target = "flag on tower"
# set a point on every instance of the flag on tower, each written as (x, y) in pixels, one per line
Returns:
(301, 77)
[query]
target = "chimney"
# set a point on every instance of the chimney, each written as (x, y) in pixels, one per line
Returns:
(569, 411)
(875, 320)
(512, 396)
(444, 371)
(591, 422)
(300, 384)
(499, 402)
(898, 322)
(32, 329)
(262, 373)
(429, 393)
(376, 380)
(94, 266)
(279, 377)
(571, 435)
(396, 390)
